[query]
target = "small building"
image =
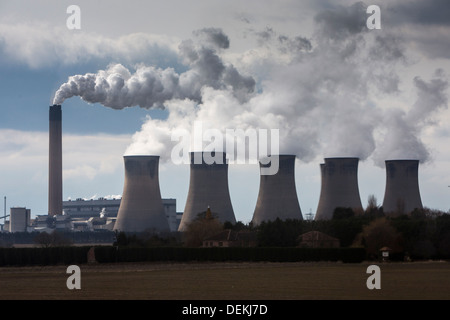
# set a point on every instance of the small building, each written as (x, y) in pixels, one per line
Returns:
(317, 239)
(385, 253)
(19, 219)
(230, 238)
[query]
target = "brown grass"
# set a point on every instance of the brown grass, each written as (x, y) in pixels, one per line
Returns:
(229, 281)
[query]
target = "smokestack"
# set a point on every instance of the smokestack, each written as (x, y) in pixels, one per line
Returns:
(208, 187)
(141, 207)
(55, 162)
(277, 196)
(402, 193)
(339, 187)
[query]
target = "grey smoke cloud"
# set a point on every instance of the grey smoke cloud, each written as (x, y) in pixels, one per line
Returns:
(282, 42)
(402, 138)
(213, 36)
(340, 21)
(431, 12)
(424, 23)
(323, 93)
(149, 87)
(323, 97)
(116, 87)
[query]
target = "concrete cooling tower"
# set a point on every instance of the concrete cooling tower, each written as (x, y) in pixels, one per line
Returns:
(55, 184)
(402, 193)
(339, 186)
(141, 207)
(208, 187)
(277, 197)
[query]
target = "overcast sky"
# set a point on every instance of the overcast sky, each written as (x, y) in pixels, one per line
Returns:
(311, 69)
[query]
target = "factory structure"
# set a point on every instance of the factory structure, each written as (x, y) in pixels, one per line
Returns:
(81, 215)
(142, 208)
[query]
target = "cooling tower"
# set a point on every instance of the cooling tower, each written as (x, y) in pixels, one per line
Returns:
(402, 193)
(141, 207)
(339, 187)
(55, 162)
(208, 187)
(277, 197)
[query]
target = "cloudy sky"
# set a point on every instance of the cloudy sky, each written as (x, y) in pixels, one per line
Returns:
(136, 72)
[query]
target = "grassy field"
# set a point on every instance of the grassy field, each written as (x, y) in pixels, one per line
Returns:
(229, 281)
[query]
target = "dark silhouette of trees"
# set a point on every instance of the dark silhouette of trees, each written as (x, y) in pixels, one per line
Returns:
(205, 226)
(54, 239)
(377, 234)
(279, 233)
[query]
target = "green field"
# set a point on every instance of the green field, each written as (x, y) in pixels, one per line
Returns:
(229, 281)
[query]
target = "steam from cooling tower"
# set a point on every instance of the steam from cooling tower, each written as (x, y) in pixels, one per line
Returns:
(150, 87)
(401, 139)
(326, 94)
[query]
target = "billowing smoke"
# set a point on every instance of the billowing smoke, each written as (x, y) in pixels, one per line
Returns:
(151, 87)
(324, 93)
(401, 138)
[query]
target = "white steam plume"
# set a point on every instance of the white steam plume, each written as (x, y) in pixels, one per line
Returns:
(323, 93)
(401, 139)
(150, 87)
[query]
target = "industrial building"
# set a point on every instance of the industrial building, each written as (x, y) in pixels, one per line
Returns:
(81, 215)
(108, 208)
(142, 208)
(19, 219)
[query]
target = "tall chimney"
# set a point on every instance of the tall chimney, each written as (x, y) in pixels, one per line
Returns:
(141, 208)
(208, 187)
(55, 184)
(339, 187)
(402, 193)
(277, 196)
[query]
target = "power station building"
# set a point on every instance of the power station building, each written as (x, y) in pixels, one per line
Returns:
(402, 194)
(142, 208)
(19, 219)
(82, 210)
(208, 187)
(141, 201)
(277, 197)
(339, 187)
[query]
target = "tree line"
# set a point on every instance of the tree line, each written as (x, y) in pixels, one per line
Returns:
(422, 234)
